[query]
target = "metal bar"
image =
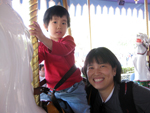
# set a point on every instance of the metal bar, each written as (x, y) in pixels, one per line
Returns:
(147, 28)
(66, 6)
(33, 8)
(147, 17)
(88, 2)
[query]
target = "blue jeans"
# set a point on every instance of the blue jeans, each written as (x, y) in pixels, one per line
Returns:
(44, 97)
(75, 97)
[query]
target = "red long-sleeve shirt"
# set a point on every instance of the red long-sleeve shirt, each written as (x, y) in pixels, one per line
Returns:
(58, 61)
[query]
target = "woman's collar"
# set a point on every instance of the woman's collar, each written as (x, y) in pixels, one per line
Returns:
(108, 96)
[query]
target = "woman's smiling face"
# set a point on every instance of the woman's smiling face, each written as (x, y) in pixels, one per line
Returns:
(100, 75)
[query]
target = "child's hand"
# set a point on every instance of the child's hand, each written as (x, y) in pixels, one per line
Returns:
(36, 31)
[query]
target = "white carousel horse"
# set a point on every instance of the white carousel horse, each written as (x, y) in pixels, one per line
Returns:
(16, 91)
(142, 72)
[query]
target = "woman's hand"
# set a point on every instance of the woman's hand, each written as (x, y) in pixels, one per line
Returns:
(36, 31)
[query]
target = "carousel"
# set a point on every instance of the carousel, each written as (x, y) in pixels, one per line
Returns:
(19, 66)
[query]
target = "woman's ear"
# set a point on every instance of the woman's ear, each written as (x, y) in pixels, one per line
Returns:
(114, 71)
(45, 27)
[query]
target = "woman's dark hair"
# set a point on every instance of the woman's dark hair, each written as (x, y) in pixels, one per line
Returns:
(103, 55)
(56, 10)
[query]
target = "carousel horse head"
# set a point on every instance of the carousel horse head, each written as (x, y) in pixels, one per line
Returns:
(16, 91)
(142, 72)
(142, 42)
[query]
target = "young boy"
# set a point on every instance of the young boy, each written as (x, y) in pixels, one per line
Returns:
(58, 55)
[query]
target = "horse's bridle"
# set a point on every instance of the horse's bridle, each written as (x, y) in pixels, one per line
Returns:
(145, 50)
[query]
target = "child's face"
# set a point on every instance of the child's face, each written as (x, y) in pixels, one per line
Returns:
(101, 75)
(57, 27)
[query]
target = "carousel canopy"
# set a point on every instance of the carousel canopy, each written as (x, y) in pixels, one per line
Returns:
(126, 1)
(126, 4)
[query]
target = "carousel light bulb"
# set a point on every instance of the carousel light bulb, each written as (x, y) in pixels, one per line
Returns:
(136, 1)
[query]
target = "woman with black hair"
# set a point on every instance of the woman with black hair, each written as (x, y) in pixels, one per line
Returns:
(103, 72)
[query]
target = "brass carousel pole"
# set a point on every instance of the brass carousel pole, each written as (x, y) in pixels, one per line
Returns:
(33, 7)
(147, 28)
(66, 6)
(88, 2)
(147, 17)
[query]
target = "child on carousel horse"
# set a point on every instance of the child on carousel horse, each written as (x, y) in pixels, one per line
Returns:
(57, 51)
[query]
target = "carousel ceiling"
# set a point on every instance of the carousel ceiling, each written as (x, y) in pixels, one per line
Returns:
(129, 1)
(126, 1)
